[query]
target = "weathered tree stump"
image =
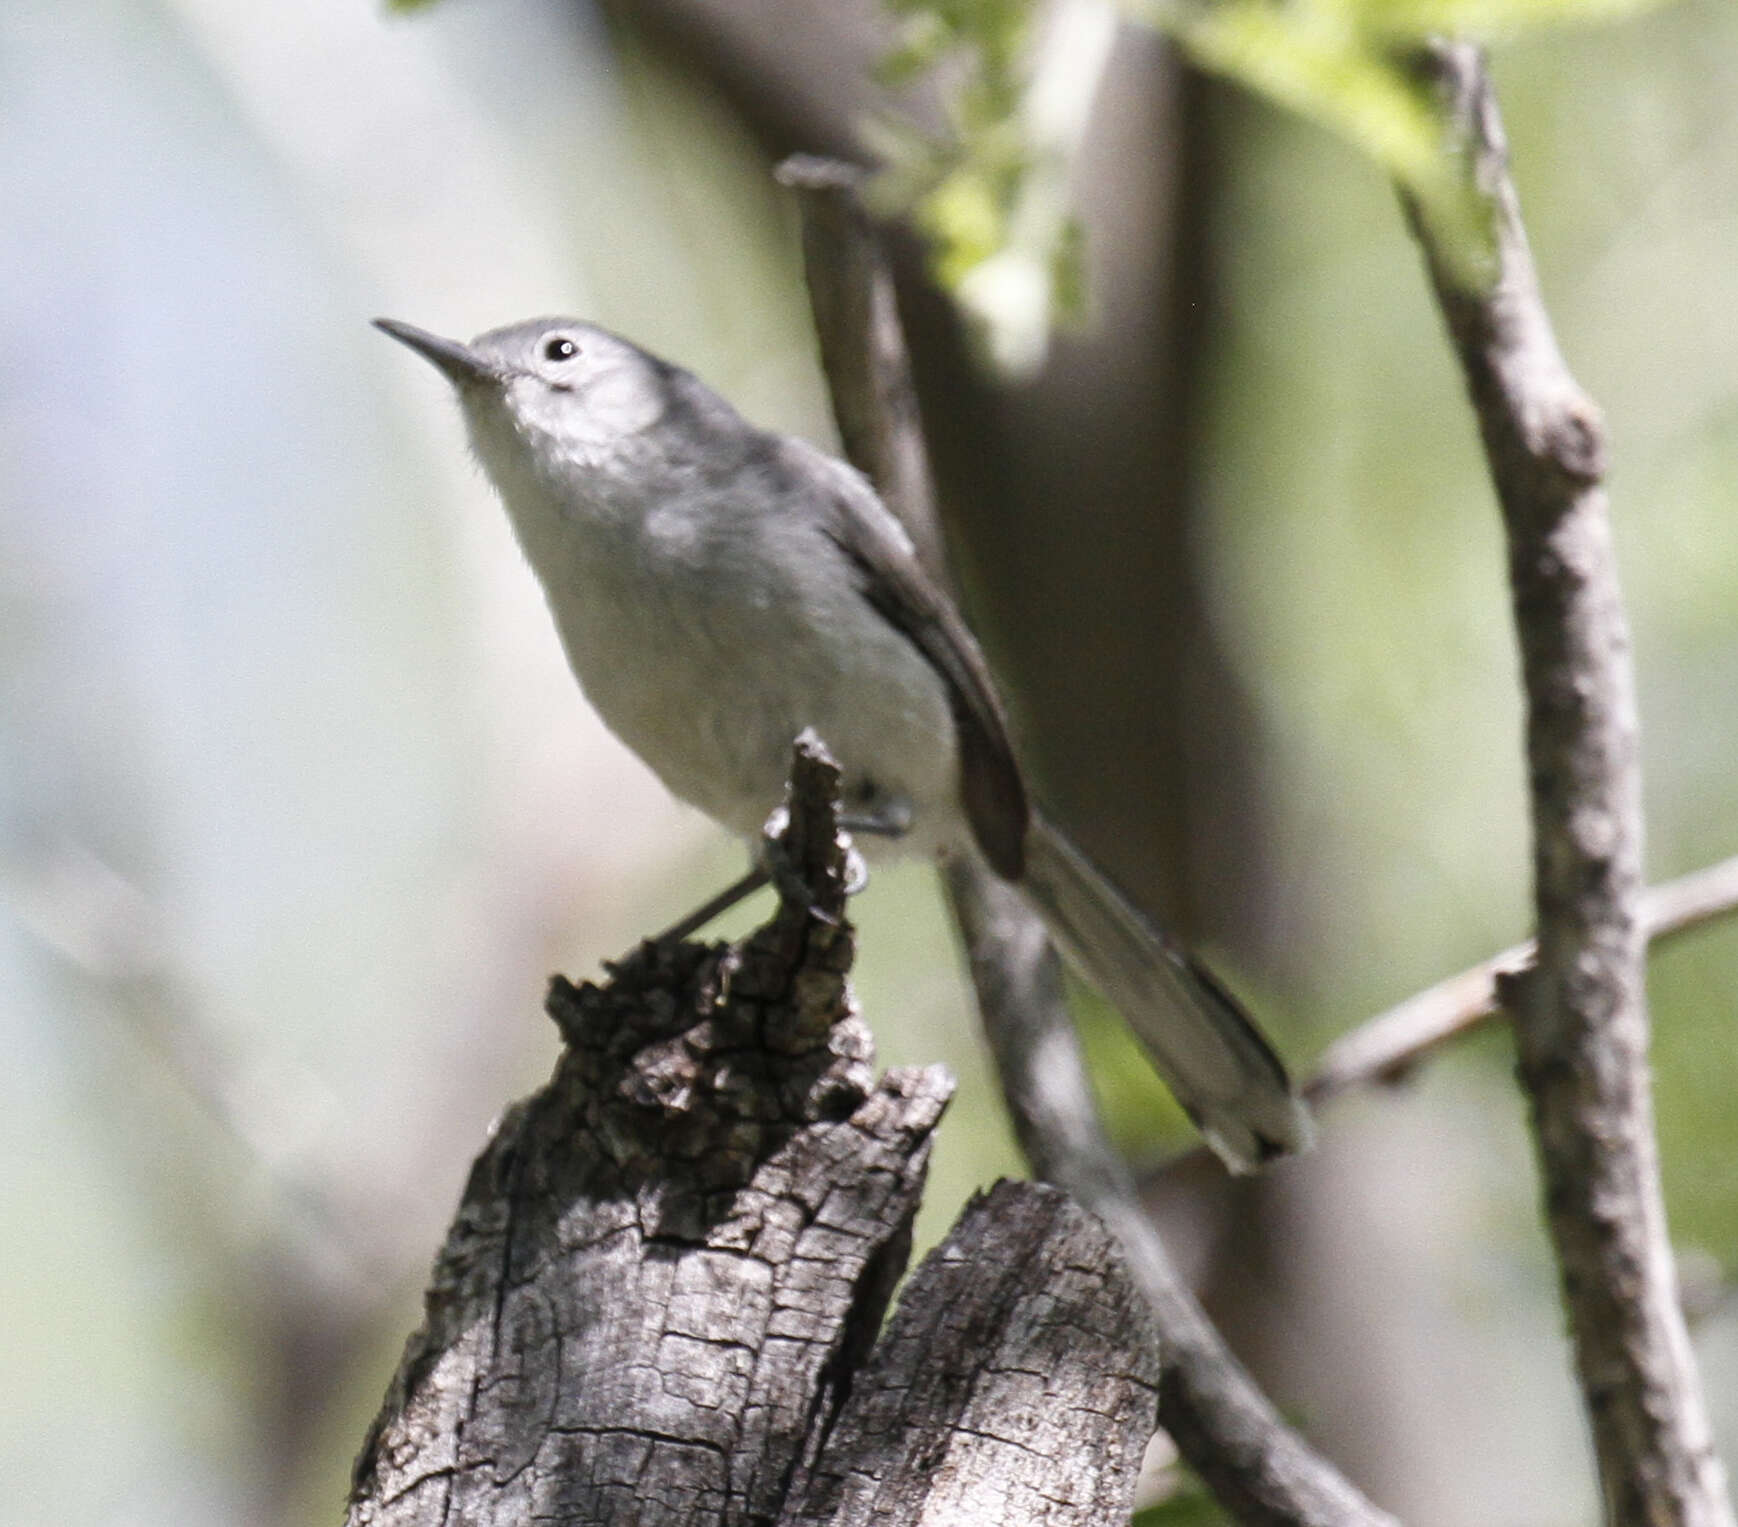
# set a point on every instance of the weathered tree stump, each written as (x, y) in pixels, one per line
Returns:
(659, 1299)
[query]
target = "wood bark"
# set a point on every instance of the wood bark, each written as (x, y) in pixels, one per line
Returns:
(1580, 1013)
(1017, 1383)
(670, 1264)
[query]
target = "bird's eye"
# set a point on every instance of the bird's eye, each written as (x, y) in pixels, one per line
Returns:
(560, 349)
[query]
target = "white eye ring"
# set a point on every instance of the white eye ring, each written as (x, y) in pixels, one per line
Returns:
(561, 348)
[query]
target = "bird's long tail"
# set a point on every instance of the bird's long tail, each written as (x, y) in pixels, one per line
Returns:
(1205, 1046)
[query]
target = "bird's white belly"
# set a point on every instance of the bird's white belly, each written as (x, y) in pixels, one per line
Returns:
(711, 693)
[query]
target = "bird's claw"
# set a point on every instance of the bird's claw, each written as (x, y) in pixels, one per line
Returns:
(775, 858)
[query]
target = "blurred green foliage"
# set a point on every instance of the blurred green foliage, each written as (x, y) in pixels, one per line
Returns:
(989, 190)
(960, 187)
(1190, 1506)
(1350, 66)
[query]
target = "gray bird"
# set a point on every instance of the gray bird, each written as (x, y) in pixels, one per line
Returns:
(718, 588)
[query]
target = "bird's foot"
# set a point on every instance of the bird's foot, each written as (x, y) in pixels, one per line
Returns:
(775, 860)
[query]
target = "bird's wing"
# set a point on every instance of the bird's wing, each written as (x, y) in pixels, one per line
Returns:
(893, 581)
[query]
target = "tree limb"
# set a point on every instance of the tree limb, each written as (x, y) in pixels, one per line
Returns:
(1226, 1428)
(1390, 1045)
(1388, 1048)
(1580, 1015)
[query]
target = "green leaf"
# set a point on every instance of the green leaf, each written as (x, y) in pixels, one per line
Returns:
(965, 217)
(1413, 19)
(1313, 57)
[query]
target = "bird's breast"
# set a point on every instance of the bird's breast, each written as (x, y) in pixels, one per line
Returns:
(707, 655)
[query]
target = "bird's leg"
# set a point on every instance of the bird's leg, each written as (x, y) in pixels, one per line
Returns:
(884, 817)
(889, 817)
(772, 866)
(873, 815)
(738, 890)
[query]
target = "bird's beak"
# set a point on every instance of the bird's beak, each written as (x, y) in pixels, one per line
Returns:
(458, 363)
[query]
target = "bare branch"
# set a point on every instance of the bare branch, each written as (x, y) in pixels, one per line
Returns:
(863, 347)
(1222, 1423)
(1581, 1015)
(1390, 1045)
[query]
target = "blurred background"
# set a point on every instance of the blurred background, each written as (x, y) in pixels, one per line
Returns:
(299, 807)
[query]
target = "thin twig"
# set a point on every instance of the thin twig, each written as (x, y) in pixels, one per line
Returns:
(862, 343)
(1391, 1046)
(1231, 1435)
(1393, 1043)
(1580, 1015)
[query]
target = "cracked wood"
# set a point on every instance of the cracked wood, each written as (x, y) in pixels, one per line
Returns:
(665, 1258)
(669, 1265)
